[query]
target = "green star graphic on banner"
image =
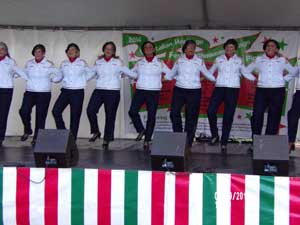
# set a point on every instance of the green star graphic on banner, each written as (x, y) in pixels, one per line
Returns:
(282, 44)
(248, 116)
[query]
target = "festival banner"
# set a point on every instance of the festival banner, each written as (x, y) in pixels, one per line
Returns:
(209, 46)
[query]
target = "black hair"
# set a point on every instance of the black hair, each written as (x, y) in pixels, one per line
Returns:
(72, 45)
(188, 42)
(3, 45)
(148, 42)
(38, 46)
(114, 48)
(231, 42)
(271, 40)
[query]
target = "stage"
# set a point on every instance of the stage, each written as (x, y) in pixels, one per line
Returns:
(129, 155)
(117, 187)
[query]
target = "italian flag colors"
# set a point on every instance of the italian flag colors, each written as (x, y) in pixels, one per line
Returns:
(119, 197)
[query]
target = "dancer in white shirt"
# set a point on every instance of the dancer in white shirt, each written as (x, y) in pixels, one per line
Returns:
(8, 71)
(108, 70)
(149, 72)
(75, 73)
(226, 91)
(39, 73)
(187, 90)
(270, 91)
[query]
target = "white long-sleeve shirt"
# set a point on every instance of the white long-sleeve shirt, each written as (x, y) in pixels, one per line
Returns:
(270, 71)
(74, 75)
(289, 77)
(149, 74)
(39, 75)
(229, 71)
(108, 73)
(9, 71)
(187, 72)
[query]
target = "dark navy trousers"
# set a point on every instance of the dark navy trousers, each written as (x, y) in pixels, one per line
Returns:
(230, 97)
(151, 99)
(71, 97)
(41, 101)
(190, 98)
(293, 117)
(110, 99)
(5, 101)
(270, 99)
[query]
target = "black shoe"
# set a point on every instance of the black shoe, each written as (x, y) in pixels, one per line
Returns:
(250, 150)
(292, 147)
(33, 143)
(25, 137)
(214, 140)
(105, 145)
(188, 150)
(224, 149)
(140, 136)
(1, 143)
(147, 145)
(94, 137)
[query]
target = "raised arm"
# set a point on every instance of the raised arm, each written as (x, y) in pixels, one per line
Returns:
(57, 76)
(129, 73)
(246, 74)
(171, 73)
(90, 72)
(54, 72)
(18, 72)
(214, 67)
(292, 72)
(207, 73)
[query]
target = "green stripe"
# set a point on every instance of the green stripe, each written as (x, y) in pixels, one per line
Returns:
(77, 197)
(131, 194)
(209, 201)
(266, 209)
(1, 196)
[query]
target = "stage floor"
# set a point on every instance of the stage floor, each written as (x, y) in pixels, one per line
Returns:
(128, 154)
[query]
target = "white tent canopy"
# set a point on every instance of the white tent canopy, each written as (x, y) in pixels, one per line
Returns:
(120, 14)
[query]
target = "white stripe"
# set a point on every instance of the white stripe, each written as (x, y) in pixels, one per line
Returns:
(252, 191)
(9, 195)
(196, 199)
(223, 199)
(64, 196)
(37, 196)
(90, 196)
(144, 197)
(169, 207)
(117, 196)
(281, 200)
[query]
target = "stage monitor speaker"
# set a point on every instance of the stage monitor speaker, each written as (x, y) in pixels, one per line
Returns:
(168, 151)
(55, 148)
(271, 155)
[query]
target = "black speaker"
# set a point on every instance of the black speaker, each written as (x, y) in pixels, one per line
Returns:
(271, 155)
(55, 148)
(168, 151)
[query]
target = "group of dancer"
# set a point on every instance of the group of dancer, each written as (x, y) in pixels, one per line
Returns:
(149, 72)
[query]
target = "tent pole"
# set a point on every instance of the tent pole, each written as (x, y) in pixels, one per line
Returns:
(205, 13)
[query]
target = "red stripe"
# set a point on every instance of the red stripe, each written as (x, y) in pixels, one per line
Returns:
(237, 199)
(157, 198)
(294, 201)
(22, 196)
(51, 196)
(182, 199)
(104, 197)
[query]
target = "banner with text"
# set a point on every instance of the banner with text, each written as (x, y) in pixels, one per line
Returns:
(209, 46)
